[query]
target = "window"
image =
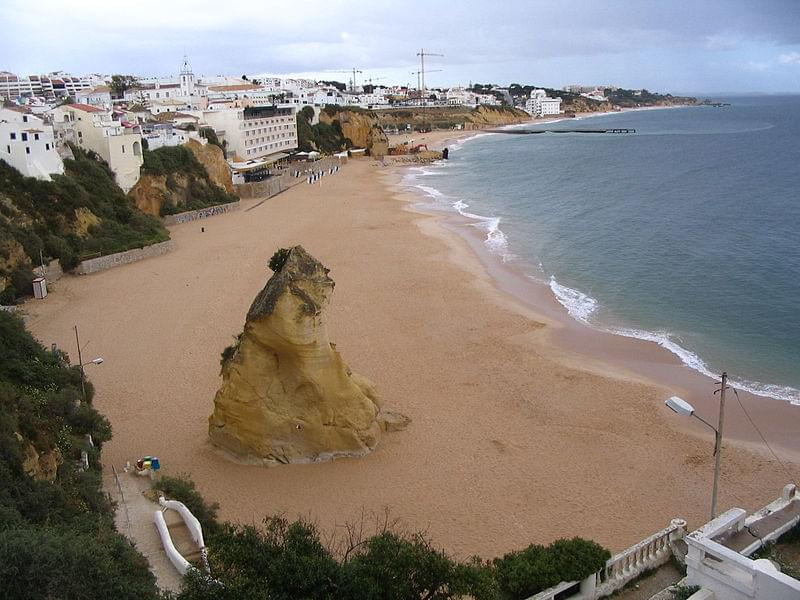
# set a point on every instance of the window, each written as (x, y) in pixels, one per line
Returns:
(27, 150)
(47, 146)
(24, 137)
(13, 136)
(123, 148)
(24, 118)
(36, 136)
(8, 149)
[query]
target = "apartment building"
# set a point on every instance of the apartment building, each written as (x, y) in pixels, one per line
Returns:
(92, 128)
(54, 85)
(28, 144)
(539, 105)
(255, 132)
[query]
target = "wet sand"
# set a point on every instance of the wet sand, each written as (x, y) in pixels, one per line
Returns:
(518, 435)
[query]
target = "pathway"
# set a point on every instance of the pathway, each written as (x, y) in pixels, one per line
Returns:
(134, 519)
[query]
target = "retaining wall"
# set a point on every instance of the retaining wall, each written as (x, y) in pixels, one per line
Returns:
(101, 263)
(292, 175)
(202, 213)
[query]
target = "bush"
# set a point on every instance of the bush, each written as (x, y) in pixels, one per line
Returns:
(685, 592)
(182, 489)
(527, 572)
(282, 561)
(279, 259)
(57, 537)
(41, 216)
(210, 135)
(393, 566)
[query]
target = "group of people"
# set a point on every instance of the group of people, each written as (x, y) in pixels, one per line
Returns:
(317, 175)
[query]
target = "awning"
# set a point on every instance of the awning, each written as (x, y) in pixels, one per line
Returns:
(258, 163)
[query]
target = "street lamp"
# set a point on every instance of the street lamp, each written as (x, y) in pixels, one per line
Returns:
(81, 364)
(683, 408)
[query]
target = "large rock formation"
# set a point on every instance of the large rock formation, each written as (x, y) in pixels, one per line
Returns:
(360, 127)
(203, 179)
(287, 396)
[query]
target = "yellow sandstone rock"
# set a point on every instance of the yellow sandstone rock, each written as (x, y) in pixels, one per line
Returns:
(287, 396)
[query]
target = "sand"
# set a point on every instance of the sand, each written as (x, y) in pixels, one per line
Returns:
(524, 429)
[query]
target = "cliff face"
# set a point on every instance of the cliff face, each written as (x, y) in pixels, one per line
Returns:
(191, 176)
(152, 192)
(287, 395)
(362, 128)
(489, 115)
(446, 117)
(213, 159)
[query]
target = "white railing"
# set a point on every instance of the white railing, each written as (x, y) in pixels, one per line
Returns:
(731, 574)
(620, 569)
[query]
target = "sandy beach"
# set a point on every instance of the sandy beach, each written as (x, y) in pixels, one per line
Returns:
(525, 427)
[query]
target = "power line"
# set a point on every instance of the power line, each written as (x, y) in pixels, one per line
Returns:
(761, 435)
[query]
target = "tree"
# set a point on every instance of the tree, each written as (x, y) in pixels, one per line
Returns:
(122, 83)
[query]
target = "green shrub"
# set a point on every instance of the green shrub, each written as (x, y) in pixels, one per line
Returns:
(210, 135)
(182, 489)
(229, 351)
(41, 215)
(393, 566)
(57, 538)
(279, 259)
(527, 572)
(685, 592)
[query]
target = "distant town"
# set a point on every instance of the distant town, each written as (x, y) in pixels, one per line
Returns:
(252, 117)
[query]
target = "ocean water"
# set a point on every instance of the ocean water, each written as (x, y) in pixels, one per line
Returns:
(686, 233)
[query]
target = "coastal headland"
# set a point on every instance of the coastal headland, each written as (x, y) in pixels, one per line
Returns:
(524, 428)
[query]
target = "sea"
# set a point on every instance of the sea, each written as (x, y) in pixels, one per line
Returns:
(685, 233)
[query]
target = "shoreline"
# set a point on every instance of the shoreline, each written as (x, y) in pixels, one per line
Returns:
(637, 358)
(512, 440)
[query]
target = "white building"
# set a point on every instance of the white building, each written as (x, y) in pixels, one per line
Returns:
(99, 95)
(539, 105)
(54, 85)
(255, 132)
(116, 142)
(28, 145)
(183, 92)
(166, 135)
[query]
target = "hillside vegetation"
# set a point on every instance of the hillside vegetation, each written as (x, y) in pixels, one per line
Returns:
(57, 536)
(175, 180)
(78, 215)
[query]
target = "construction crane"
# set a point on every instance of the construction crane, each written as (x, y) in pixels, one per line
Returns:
(418, 73)
(422, 54)
(353, 80)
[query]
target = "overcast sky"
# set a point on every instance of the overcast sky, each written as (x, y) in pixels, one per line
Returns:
(677, 46)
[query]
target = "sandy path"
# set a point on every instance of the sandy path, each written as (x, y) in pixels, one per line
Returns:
(507, 446)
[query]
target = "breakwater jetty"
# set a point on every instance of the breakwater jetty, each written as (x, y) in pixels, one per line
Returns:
(616, 130)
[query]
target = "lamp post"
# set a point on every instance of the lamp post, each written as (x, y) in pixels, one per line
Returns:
(683, 408)
(81, 364)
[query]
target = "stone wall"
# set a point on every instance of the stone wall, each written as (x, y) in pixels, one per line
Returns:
(289, 177)
(202, 213)
(101, 263)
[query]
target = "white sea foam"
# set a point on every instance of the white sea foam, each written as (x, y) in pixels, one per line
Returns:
(581, 306)
(578, 305)
(693, 361)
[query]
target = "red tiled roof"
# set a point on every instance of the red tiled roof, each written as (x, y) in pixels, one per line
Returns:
(86, 108)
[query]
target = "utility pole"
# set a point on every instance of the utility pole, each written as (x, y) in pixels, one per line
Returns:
(718, 445)
(422, 54)
(80, 362)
